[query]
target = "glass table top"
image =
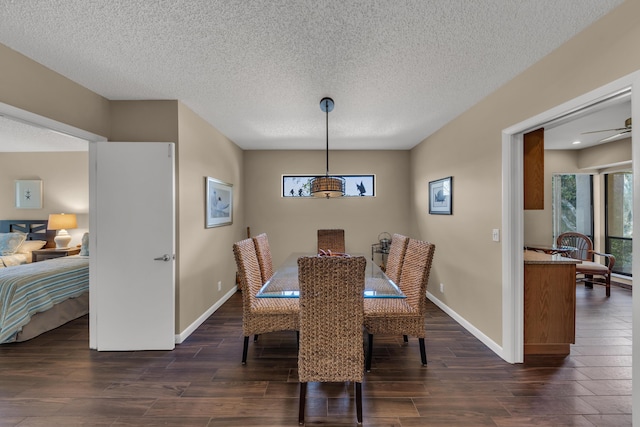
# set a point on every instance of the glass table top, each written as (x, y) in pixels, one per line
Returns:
(284, 282)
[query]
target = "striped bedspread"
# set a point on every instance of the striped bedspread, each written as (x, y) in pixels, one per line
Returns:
(32, 288)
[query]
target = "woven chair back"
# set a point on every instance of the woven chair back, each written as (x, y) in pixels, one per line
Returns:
(331, 240)
(263, 251)
(248, 270)
(331, 318)
(395, 258)
(581, 242)
(415, 273)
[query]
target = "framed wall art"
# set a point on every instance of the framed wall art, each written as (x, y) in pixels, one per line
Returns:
(441, 196)
(219, 203)
(29, 194)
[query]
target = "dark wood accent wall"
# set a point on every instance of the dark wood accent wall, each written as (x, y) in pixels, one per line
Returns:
(534, 169)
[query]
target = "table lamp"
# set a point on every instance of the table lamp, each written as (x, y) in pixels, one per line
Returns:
(62, 222)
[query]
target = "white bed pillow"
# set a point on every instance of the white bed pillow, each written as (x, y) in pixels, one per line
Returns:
(9, 242)
(29, 246)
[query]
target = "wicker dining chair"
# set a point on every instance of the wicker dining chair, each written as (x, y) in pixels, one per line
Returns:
(260, 315)
(331, 316)
(238, 283)
(388, 316)
(263, 251)
(331, 240)
(396, 256)
(588, 271)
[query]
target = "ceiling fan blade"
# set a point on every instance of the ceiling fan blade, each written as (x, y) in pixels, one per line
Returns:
(617, 135)
(606, 130)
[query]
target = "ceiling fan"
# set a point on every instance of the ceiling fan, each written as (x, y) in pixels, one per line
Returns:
(619, 131)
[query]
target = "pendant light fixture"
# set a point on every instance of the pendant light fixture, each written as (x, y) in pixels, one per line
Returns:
(327, 186)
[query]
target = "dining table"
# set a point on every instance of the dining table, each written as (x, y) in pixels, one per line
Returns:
(284, 282)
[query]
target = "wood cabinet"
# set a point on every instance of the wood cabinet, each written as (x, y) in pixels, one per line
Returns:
(534, 169)
(549, 303)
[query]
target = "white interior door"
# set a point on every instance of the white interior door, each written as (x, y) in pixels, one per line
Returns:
(133, 281)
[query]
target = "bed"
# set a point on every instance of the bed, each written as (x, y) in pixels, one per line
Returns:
(38, 297)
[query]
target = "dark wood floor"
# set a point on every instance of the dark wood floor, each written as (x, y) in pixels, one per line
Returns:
(54, 380)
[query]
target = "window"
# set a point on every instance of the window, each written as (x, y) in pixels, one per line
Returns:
(572, 204)
(355, 185)
(619, 219)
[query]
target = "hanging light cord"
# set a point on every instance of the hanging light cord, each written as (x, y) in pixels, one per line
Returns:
(326, 108)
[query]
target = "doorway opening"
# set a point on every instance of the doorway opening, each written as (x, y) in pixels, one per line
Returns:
(513, 199)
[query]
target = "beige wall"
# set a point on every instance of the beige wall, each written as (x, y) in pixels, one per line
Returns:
(65, 189)
(140, 121)
(291, 223)
(600, 157)
(205, 256)
(469, 149)
(27, 85)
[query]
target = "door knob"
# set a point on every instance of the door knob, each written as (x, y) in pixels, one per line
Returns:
(164, 257)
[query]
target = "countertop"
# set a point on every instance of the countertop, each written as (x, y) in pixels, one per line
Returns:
(532, 257)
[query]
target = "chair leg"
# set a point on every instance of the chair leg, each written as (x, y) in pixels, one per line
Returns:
(423, 353)
(608, 285)
(244, 350)
(303, 393)
(359, 402)
(405, 338)
(367, 365)
(588, 281)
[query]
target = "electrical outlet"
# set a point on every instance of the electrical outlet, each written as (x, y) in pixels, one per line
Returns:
(496, 235)
(219, 286)
(442, 288)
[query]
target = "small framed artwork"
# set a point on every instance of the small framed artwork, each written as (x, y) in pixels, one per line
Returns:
(29, 194)
(219, 203)
(441, 196)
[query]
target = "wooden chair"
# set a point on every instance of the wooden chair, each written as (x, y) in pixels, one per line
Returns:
(588, 271)
(386, 316)
(396, 256)
(331, 315)
(263, 251)
(260, 315)
(331, 240)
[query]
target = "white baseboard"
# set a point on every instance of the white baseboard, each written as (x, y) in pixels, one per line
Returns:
(200, 320)
(497, 349)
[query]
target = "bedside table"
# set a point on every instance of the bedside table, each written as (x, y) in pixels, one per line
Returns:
(42, 254)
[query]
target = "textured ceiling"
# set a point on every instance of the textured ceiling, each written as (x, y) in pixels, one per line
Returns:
(256, 70)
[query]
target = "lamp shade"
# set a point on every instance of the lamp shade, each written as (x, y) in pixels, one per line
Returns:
(327, 186)
(62, 221)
